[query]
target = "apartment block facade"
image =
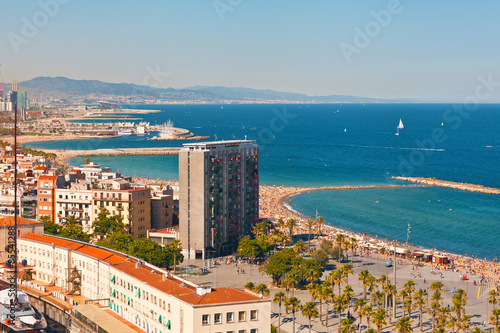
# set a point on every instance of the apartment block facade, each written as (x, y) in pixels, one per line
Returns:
(46, 187)
(148, 297)
(218, 195)
(131, 203)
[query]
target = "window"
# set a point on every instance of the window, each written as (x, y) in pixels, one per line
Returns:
(253, 315)
(241, 316)
(242, 331)
(217, 318)
(253, 330)
(205, 319)
(229, 317)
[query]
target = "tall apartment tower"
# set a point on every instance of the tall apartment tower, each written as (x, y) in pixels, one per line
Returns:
(218, 195)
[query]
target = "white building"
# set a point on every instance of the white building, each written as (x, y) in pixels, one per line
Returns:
(147, 296)
(76, 201)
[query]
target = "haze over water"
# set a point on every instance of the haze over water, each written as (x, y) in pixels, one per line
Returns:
(320, 145)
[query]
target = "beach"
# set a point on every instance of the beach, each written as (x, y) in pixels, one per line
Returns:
(273, 204)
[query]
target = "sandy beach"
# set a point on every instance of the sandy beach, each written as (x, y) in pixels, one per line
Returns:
(273, 204)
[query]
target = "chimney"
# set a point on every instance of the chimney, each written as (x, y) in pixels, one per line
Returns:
(138, 264)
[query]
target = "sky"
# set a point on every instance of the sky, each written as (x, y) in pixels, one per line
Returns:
(424, 50)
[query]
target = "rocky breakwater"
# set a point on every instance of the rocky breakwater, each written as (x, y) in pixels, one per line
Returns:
(456, 185)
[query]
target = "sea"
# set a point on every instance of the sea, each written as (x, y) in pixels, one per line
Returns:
(315, 145)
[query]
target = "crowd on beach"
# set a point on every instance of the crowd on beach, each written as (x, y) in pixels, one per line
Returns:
(273, 205)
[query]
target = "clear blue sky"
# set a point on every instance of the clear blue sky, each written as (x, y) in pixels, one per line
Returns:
(431, 50)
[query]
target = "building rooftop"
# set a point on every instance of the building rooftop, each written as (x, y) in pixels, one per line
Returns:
(153, 276)
(9, 220)
(220, 144)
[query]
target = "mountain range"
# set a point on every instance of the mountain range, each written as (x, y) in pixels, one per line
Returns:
(89, 91)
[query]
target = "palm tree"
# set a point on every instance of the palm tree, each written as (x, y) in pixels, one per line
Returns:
(419, 298)
(289, 282)
(354, 244)
(339, 304)
(403, 325)
(262, 289)
(349, 294)
(346, 269)
(452, 323)
(495, 318)
(293, 303)
(319, 222)
(359, 304)
(348, 326)
(279, 298)
(433, 311)
(378, 296)
(368, 312)
(250, 285)
(291, 224)
(464, 324)
(326, 294)
(309, 310)
(372, 285)
(310, 225)
(378, 319)
(335, 278)
(299, 247)
(339, 239)
(71, 221)
(493, 299)
(363, 277)
(312, 289)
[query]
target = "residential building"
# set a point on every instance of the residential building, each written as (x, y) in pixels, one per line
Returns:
(148, 297)
(75, 200)
(218, 195)
(162, 209)
(46, 196)
(24, 226)
(120, 198)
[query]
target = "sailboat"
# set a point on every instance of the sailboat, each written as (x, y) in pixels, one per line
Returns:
(400, 126)
(16, 312)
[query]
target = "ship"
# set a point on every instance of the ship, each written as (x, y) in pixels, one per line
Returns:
(27, 319)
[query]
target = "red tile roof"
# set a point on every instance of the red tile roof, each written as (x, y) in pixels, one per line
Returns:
(153, 277)
(9, 220)
(47, 177)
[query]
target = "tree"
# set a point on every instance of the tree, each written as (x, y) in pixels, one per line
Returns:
(253, 247)
(291, 224)
(279, 264)
(339, 304)
(368, 312)
(71, 221)
(299, 247)
(310, 225)
(495, 318)
(320, 221)
(403, 325)
(86, 160)
(419, 298)
(359, 304)
(262, 289)
(363, 277)
(354, 244)
(106, 225)
(260, 230)
(378, 318)
(493, 299)
(118, 241)
(309, 310)
(75, 232)
(293, 304)
(279, 298)
(50, 227)
(326, 294)
(347, 326)
(250, 285)
(175, 253)
(346, 270)
(339, 239)
(320, 256)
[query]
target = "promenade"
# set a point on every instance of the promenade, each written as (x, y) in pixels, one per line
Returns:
(226, 274)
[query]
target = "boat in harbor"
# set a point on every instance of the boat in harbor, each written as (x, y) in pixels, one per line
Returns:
(124, 132)
(400, 126)
(27, 317)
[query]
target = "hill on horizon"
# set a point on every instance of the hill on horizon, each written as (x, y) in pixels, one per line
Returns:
(62, 87)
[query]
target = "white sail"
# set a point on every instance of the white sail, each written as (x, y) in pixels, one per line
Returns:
(400, 124)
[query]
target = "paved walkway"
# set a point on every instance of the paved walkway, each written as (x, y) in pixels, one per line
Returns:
(227, 276)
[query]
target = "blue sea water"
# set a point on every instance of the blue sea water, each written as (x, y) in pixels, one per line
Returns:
(337, 144)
